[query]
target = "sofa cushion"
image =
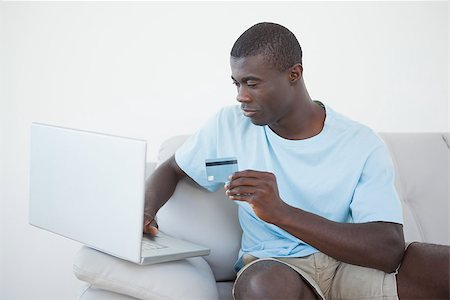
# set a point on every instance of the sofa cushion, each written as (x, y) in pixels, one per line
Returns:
(93, 293)
(183, 279)
(225, 290)
(202, 217)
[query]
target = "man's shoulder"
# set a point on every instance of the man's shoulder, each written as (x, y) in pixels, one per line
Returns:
(360, 133)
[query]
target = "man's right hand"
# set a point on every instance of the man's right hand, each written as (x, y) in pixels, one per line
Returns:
(150, 225)
(159, 188)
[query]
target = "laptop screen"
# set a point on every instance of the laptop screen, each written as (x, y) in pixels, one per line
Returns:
(89, 187)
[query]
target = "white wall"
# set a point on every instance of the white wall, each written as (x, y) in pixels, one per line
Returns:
(153, 70)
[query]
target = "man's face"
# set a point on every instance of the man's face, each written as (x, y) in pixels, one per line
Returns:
(263, 91)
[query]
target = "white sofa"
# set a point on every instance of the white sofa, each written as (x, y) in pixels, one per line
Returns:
(422, 162)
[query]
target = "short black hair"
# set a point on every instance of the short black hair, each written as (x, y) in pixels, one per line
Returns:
(276, 43)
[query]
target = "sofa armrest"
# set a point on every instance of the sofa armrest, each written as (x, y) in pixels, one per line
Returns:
(190, 278)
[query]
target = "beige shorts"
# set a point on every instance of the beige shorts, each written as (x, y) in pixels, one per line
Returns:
(332, 279)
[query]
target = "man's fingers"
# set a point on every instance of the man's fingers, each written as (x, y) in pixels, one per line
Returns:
(249, 178)
(242, 181)
(150, 226)
(242, 197)
(240, 190)
(248, 174)
(152, 230)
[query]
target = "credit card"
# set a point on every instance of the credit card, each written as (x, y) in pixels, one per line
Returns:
(219, 169)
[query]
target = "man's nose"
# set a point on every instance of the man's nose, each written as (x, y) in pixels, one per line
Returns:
(243, 96)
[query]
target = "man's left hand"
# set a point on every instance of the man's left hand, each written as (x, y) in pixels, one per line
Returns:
(260, 190)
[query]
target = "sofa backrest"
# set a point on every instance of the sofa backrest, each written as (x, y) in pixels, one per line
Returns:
(422, 164)
(422, 176)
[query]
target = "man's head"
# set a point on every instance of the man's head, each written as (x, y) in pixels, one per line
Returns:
(277, 45)
(266, 69)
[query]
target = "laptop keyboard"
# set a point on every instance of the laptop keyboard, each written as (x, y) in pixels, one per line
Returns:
(151, 245)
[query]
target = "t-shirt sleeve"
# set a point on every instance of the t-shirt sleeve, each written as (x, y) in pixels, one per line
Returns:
(202, 145)
(375, 197)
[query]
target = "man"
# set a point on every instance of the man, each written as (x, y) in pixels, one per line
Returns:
(320, 215)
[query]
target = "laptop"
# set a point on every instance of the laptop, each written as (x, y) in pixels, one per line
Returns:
(90, 187)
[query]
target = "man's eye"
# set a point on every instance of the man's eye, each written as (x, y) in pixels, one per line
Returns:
(251, 84)
(235, 83)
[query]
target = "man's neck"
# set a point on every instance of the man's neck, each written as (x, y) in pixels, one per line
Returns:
(306, 121)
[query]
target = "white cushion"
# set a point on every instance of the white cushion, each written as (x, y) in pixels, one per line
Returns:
(184, 279)
(202, 217)
(225, 290)
(208, 219)
(92, 293)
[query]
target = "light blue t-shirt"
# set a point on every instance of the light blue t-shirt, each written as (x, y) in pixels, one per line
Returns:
(344, 174)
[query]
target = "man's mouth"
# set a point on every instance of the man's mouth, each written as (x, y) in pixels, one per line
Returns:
(249, 112)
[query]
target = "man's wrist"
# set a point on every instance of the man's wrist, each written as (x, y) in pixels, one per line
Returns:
(284, 215)
(149, 216)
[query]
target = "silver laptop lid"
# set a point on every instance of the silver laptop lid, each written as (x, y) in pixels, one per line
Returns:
(89, 187)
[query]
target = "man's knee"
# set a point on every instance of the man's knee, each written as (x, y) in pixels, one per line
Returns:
(424, 272)
(271, 280)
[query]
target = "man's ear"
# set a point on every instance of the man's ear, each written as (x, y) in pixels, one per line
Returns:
(295, 73)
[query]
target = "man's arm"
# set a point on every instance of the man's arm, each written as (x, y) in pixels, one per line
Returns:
(378, 245)
(159, 188)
